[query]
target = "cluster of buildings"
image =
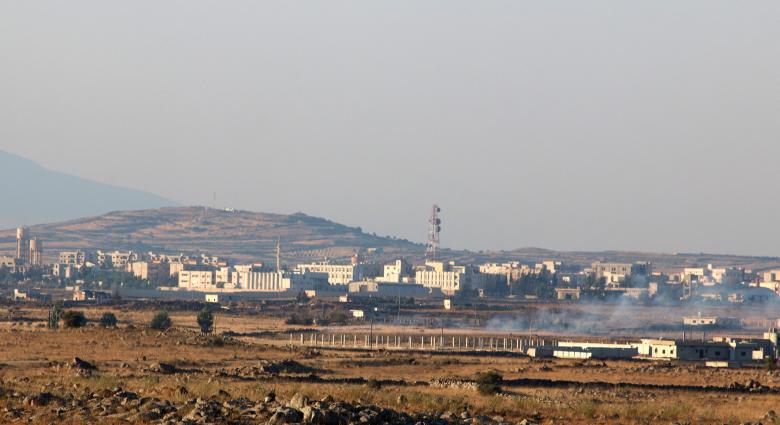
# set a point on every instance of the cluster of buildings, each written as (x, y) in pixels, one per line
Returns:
(357, 276)
(400, 278)
(639, 280)
(71, 265)
(717, 352)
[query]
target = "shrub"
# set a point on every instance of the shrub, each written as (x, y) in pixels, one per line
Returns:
(205, 320)
(770, 363)
(161, 321)
(74, 319)
(337, 317)
(489, 383)
(108, 320)
(298, 319)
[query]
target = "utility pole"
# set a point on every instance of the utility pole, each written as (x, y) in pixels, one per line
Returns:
(441, 325)
(371, 334)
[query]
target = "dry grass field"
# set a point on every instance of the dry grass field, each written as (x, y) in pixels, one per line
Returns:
(35, 360)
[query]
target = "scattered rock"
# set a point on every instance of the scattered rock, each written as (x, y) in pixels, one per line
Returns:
(286, 366)
(298, 401)
(164, 368)
(78, 363)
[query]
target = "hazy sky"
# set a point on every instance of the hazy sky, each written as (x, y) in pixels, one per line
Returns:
(562, 124)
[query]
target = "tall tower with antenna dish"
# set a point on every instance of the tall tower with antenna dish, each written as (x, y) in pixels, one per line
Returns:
(434, 229)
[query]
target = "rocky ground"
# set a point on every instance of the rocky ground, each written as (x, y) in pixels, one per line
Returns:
(119, 405)
(139, 375)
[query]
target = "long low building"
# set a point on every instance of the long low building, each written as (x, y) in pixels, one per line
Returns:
(739, 351)
(341, 274)
(585, 350)
(247, 279)
(380, 289)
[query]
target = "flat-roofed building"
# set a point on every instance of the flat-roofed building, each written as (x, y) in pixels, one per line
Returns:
(450, 278)
(396, 272)
(9, 263)
(175, 268)
(617, 273)
(72, 258)
(65, 271)
(770, 276)
(381, 289)
(197, 279)
(115, 259)
(711, 321)
(341, 274)
(262, 281)
(737, 351)
(151, 271)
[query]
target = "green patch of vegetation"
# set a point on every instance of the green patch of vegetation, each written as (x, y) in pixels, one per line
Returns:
(74, 319)
(108, 320)
(161, 321)
(205, 320)
(489, 383)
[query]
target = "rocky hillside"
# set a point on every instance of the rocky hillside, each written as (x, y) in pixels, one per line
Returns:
(239, 235)
(251, 236)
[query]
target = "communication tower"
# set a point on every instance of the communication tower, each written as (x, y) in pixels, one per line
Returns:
(434, 229)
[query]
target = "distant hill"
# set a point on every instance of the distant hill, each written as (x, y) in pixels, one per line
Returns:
(251, 236)
(238, 235)
(32, 194)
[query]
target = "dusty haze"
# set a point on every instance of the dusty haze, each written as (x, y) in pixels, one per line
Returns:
(566, 125)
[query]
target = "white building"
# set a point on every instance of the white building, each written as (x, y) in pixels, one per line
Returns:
(450, 278)
(383, 289)
(9, 263)
(72, 258)
(197, 280)
(115, 259)
(710, 276)
(616, 273)
(397, 272)
(341, 274)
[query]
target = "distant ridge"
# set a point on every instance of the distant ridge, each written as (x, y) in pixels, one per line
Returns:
(251, 236)
(33, 194)
(238, 235)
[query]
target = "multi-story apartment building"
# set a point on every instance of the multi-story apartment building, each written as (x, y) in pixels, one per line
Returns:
(197, 279)
(709, 276)
(451, 279)
(9, 263)
(396, 272)
(115, 259)
(617, 273)
(149, 270)
(72, 258)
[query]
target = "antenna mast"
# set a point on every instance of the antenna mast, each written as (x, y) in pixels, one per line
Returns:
(434, 229)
